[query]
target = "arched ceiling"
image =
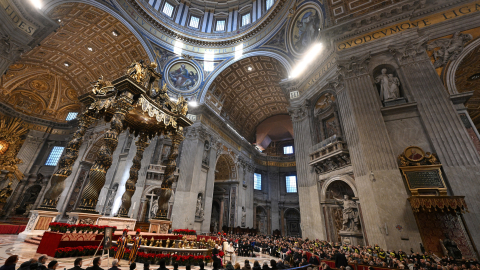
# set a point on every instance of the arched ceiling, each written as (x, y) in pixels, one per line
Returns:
(47, 80)
(248, 92)
(466, 81)
(273, 129)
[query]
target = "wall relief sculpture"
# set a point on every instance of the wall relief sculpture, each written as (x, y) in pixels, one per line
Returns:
(448, 49)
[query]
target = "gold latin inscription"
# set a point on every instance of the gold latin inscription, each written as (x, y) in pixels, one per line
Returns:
(433, 19)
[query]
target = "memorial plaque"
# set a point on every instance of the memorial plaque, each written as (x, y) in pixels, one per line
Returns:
(424, 179)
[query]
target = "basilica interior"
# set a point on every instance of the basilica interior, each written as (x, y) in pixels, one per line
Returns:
(347, 121)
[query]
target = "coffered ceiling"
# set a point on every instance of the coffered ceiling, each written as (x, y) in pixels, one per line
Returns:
(248, 92)
(345, 10)
(46, 81)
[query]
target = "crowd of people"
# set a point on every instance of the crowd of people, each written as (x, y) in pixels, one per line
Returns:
(295, 252)
(291, 252)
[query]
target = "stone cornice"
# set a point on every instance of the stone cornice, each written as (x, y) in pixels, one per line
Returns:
(195, 41)
(385, 17)
(7, 110)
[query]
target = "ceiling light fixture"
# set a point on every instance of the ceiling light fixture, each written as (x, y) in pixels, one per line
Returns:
(193, 103)
(90, 49)
(66, 64)
(249, 68)
(307, 59)
(59, 20)
(115, 33)
(36, 3)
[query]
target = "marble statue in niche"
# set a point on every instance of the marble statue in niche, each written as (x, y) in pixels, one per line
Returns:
(331, 127)
(350, 218)
(153, 209)
(206, 152)
(389, 86)
(199, 212)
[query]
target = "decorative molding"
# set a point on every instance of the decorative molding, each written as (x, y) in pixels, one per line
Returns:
(299, 113)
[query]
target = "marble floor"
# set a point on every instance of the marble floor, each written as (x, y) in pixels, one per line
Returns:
(12, 245)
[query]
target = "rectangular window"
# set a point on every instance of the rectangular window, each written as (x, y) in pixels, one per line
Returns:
(257, 181)
(71, 116)
(287, 150)
(291, 184)
(54, 156)
(245, 19)
(168, 9)
(269, 4)
(194, 21)
(220, 25)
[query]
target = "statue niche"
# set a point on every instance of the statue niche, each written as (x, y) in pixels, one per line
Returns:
(388, 85)
(199, 212)
(344, 213)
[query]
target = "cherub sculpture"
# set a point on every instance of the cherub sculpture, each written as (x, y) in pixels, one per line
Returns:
(101, 86)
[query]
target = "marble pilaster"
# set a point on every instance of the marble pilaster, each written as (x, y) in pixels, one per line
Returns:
(306, 177)
(449, 138)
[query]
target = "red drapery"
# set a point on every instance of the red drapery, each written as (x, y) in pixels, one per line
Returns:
(11, 229)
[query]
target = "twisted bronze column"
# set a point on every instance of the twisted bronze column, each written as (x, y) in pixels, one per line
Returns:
(104, 157)
(141, 144)
(57, 182)
(169, 177)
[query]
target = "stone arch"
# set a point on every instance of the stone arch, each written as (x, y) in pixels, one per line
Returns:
(348, 180)
(225, 168)
(292, 222)
(278, 56)
(451, 69)
(261, 219)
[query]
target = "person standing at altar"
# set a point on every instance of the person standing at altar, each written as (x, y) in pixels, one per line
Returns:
(137, 241)
(121, 244)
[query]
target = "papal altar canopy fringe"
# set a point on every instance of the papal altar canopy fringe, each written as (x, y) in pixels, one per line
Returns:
(438, 203)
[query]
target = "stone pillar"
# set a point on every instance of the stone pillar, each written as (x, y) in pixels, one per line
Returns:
(269, 220)
(141, 144)
(64, 169)
(450, 140)
(309, 200)
(103, 161)
(255, 216)
(210, 183)
(166, 188)
(282, 220)
(371, 152)
(220, 222)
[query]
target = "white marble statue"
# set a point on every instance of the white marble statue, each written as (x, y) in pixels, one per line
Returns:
(199, 209)
(350, 218)
(154, 209)
(389, 86)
